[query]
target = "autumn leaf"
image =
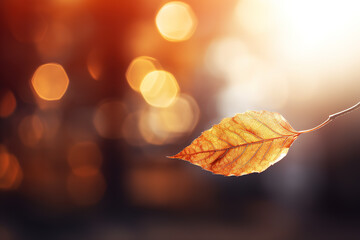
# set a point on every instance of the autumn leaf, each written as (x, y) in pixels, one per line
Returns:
(246, 143)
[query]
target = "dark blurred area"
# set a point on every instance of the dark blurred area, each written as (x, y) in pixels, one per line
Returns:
(95, 94)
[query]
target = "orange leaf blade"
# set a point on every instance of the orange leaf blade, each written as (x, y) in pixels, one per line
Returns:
(246, 143)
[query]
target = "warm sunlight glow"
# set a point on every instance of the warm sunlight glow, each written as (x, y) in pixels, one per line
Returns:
(50, 81)
(176, 21)
(138, 69)
(7, 104)
(316, 39)
(228, 57)
(320, 35)
(159, 88)
(256, 16)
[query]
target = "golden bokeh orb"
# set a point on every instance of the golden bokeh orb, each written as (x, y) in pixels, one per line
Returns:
(159, 88)
(50, 81)
(138, 69)
(176, 21)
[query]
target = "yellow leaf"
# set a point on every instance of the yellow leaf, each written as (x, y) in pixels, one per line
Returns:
(246, 143)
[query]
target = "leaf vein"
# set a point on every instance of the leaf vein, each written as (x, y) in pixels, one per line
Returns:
(252, 156)
(281, 124)
(234, 160)
(222, 129)
(244, 128)
(240, 145)
(236, 134)
(219, 158)
(280, 149)
(266, 152)
(261, 122)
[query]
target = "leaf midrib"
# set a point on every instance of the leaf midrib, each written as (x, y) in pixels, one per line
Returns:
(241, 145)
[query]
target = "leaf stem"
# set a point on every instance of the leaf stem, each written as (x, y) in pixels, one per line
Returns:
(332, 117)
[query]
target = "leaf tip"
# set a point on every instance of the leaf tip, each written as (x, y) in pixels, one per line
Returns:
(174, 156)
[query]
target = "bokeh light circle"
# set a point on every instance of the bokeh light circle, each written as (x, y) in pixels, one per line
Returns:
(11, 174)
(176, 21)
(160, 126)
(138, 69)
(159, 88)
(50, 81)
(7, 104)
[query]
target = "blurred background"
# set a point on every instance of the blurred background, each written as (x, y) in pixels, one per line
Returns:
(95, 94)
